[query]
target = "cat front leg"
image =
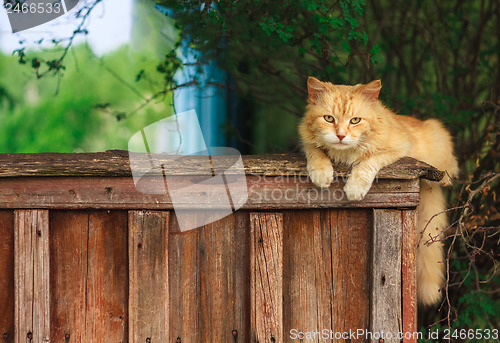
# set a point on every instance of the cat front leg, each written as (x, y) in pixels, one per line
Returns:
(319, 166)
(359, 183)
(362, 175)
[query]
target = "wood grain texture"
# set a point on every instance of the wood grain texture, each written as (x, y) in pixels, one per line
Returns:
(107, 281)
(409, 275)
(116, 163)
(266, 277)
(350, 234)
(326, 271)
(7, 276)
(89, 274)
(32, 306)
(209, 281)
(148, 276)
(68, 275)
(184, 284)
(263, 193)
(301, 289)
(385, 307)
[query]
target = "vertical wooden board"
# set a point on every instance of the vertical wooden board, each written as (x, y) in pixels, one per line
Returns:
(7, 276)
(68, 274)
(148, 275)
(266, 277)
(350, 234)
(386, 310)
(89, 276)
(409, 275)
(303, 292)
(209, 281)
(31, 265)
(224, 278)
(326, 288)
(183, 284)
(239, 300)
(107, 277)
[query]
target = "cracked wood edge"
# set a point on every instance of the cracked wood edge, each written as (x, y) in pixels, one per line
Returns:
(117, 163)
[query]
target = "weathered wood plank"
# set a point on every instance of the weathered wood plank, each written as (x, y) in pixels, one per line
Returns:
(350, 235)
(266, 277)
(409, 275)
(116, 163)
(90, 276)
(31, 237)
(148, 276)
(68, 275)
(209, 281)
(107, 277)
(326, 273)
(263, 193)
(184, 284)
(301, 292)
(385, 307)
(7, 276)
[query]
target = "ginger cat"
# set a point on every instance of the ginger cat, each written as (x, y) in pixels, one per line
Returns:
(348, 124)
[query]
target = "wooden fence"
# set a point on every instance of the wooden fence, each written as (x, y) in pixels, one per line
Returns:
(85, 257)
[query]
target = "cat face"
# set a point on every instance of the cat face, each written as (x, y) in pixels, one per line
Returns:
(341, 117)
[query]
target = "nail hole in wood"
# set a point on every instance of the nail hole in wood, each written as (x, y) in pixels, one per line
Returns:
(383, 280)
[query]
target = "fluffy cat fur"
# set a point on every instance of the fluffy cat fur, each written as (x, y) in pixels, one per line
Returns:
(329, 132)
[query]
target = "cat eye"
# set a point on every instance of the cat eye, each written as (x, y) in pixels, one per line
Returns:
(329, 119)
(355, 120)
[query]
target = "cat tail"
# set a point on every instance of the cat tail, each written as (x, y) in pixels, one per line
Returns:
(430, 261)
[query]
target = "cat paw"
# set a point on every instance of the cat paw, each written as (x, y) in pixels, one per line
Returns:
(355, 190)
(322, 177)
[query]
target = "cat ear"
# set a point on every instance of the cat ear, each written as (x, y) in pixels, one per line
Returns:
(314, 88)
(371, 90)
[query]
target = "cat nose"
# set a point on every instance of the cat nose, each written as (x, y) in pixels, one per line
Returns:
(341, 137)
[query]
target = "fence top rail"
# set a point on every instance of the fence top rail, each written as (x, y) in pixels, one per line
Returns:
(116, 163)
